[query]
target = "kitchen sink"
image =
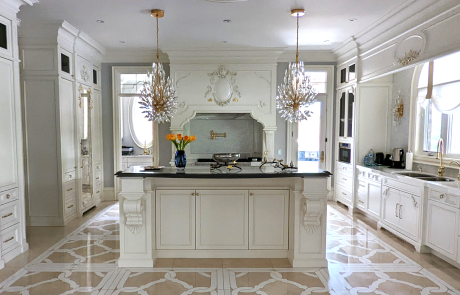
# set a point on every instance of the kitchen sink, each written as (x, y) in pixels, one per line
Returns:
(414, 174)
(435, 178)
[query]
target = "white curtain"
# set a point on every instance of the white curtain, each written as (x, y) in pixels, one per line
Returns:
(446, 97)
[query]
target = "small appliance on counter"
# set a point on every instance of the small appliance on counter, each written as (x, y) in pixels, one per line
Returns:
(127, 150)
(387, 161)
(344, 152)
(398, 158)
(379, 159)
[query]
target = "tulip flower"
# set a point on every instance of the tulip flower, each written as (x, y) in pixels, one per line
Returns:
(179, 141)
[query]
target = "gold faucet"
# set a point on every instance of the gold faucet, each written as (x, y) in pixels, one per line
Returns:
(439, 152)
(455, 162)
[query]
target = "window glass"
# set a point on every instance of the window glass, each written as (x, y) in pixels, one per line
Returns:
(433, 130)
(140, 127)
(455, 134)
(132, 83)
(318, 80)
(3, 37)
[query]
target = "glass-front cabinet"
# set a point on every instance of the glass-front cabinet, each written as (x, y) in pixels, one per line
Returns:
(346, 112)
(347, 74)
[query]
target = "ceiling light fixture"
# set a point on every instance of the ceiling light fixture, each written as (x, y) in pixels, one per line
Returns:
(100, 21)
(296, 93)
(158, 95)
(353, 19)
(122, 42)
(227, 20)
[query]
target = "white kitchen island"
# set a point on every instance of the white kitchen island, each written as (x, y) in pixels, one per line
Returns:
(222, 214)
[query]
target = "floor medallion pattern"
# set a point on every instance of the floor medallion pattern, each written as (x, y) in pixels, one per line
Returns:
(360, 262)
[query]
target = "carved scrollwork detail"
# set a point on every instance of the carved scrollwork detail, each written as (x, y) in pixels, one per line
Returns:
(311, 214)
(223, 87)
(84, 74)
(133, 211)
(409, 57)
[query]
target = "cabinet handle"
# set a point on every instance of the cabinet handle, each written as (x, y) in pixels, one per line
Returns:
(69, 206)
(193, 194)
(441, 196)
(385, 192)
(344, 194)
(197, 194)
(251, 194)
(344, 179)
(361, 201)
(396, 210)
(10, 239)
(7, 215)
(70, 189)
(400, 206)
(97, 178)
(97, 192)
(362, 185)
(8, 196)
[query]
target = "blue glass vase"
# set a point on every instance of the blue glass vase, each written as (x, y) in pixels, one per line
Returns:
(180, 160)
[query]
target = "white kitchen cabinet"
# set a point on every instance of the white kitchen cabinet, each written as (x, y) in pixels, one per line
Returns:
(441, 231)
(175, 219)
(53, 105)
(374, 198)
(345, 110)
(268, 219)
(222, 219)
(344, 194)
(401, 211)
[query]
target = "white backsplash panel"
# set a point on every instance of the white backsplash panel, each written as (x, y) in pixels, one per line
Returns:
(243, 135)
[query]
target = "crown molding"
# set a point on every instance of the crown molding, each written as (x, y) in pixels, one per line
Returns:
(15, 5)
(133, 56)
(227, 56)
(403, 18)
(308, 56)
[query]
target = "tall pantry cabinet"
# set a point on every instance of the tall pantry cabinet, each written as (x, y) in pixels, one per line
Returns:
(12, 200)
(61, 85)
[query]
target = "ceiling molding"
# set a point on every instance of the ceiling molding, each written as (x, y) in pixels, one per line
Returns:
(133, 56)
(308, 56)
(14, 5)
(405, 17)
(227, 56)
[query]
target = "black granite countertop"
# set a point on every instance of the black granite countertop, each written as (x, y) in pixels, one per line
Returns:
(222, 173)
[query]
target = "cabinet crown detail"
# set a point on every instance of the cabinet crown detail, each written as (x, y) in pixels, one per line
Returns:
(312, 214)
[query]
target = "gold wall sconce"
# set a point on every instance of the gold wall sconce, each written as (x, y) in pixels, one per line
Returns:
(398, 109)
(216, 135)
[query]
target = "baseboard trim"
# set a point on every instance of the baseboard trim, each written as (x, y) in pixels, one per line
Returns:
(221, 253)
(108, 194)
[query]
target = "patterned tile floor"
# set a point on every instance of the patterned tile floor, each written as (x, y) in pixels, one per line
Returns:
(362, 260)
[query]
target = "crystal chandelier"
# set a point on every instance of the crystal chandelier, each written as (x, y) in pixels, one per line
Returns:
(158, 96)
(296, 93)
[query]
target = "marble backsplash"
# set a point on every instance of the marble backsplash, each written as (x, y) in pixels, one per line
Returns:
(433, 169)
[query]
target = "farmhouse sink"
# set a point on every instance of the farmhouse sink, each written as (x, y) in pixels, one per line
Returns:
(435, 178)
(414, 174)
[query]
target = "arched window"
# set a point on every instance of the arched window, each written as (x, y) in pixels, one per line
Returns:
(439, 116)
(140, 127)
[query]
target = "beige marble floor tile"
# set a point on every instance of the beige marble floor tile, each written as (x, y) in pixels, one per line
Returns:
(164, 263)
(250, 279)
(280, 263)
(197, 263)
(247, 263)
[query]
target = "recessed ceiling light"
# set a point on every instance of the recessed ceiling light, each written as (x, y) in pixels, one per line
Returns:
(122, 42)
(100, 21)
(353, 19)
(224, 42)
(325, 41)
(227, 20)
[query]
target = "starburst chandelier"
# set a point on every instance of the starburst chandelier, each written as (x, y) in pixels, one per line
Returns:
(158, 96)
(296, 93)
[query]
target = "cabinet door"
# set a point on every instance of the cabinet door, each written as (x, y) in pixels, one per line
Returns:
(268, 219)
(350, 111)
(374, 198)
(441, 228)
(8, 153)
(222, 219)
(390, 205)
(67, 124)
(96, 130)
(342, 104)
(175, 219)
(409, 214)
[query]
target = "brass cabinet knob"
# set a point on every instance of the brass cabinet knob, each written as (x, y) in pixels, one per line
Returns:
(251, 194)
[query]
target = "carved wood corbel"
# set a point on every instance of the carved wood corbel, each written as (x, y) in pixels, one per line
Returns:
(133, 210)
(311, 209)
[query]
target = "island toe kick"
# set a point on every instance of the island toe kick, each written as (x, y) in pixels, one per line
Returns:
(272, 217)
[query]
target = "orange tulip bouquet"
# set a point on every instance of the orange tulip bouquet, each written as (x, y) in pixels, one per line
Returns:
(180, 142)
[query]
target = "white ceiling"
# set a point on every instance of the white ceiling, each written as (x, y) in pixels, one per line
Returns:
(199, 24)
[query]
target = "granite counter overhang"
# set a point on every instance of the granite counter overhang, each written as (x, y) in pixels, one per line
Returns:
(206, 173)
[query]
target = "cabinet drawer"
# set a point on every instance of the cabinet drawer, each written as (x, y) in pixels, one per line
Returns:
(344, 179)
(10, 238)
(70, 197)
(70, 206)
(401, 186)
(9, 214)
(447, 199)
(8, 196)
(361, 202)
(69, 176)
(69, 188)
(97, 178)
(344, 168)
(361, 173)
(362, 186)
(98, 191)
(344, 193)
(374, 177)
(98, 167)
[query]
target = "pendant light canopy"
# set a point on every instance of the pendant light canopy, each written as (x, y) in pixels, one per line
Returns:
(296, 93)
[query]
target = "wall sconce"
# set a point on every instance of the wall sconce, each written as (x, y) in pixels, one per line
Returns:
(398, 110)
(216, 135)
